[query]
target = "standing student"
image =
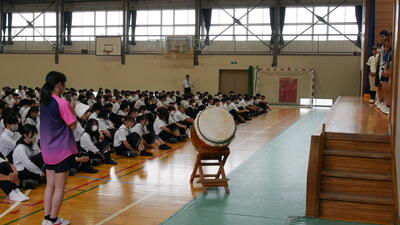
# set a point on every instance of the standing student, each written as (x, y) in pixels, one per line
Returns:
(187, 85)
(58, 120)
(27, 159)
(372, 64)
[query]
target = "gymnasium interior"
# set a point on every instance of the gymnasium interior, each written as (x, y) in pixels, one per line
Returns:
(289, 106)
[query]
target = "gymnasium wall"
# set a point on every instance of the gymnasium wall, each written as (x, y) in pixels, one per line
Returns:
(336, 75)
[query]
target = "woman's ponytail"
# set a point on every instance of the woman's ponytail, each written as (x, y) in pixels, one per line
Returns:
(52, 79)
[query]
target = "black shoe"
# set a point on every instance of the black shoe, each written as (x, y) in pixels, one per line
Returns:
(95, 162)
(90, 169)
(129, 154)
(145, 153)
(164, 147)
(29, 184)
(111, 162)
(73, 171)
(172, 140)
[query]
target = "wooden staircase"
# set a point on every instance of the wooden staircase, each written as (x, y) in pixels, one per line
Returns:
(351, 177)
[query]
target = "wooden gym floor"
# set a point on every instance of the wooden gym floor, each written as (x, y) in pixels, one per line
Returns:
(150, 190)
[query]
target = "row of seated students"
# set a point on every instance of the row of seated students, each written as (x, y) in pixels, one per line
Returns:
(128, 123)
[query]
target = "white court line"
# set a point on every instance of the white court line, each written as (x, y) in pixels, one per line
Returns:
(15, 205)
(119, 212)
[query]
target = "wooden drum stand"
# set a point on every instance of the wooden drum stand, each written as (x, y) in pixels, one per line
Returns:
(209, 157)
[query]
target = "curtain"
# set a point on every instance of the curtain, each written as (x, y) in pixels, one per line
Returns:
(282, 12)
(132, 15)
(371, 43)
(206, 14)
(359, 11)
(3, 27)
(66, 29)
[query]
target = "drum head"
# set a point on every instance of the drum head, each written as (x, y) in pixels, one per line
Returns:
(215, 126)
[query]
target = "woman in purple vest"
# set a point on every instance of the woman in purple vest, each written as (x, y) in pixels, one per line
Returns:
(57, 121)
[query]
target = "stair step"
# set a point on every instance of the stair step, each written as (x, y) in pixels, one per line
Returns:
(356, 164)
(357, 212)
(357, 153)
(357, 145)
(355, 198)
(356, 175)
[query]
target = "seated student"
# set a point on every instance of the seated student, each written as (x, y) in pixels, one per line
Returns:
(181, 118)
(96, 110)
(140, 102)
(95, 144)
(3, 112)
(9, 137)
(25, 106)
(148, 138)
(251, 105)
(264, 102)
(106, 127)
(116, 104)
(168, 133)
(232, 109)
(27, 159)
(32, 117)
(242, 112)
(192, 110)
(9, 181)
(124, 109)
(172, 122)
(125, 142)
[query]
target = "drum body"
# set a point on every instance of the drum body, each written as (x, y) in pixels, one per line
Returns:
(213, 129)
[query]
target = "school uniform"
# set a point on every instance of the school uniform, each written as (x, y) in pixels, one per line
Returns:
(2, 128)
(8, 141)
(91, 102)
(165, 136)
(160, 104)
(144, 133)
(185, 103)
(23, 112)
(33, 122)
(123, 134)
(94, 116)
(191, 112)
(28, 161)
(93, 146)
(6, 169)
(181, 118)
(115, 107)
(139, 103)
(78, 132)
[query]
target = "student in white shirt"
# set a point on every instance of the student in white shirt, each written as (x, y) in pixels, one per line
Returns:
(148, 138)
(183, 119)
(25, 106)
(233, 110)
(95, 144)
(9, 137)
(172, 122)
(168, 133)
(27, 159)
(106, 127)
(373, 64)
(127, 142)
(116, 104)
(3, 110)
(9, 181)
(96, 110)
(139, 102)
